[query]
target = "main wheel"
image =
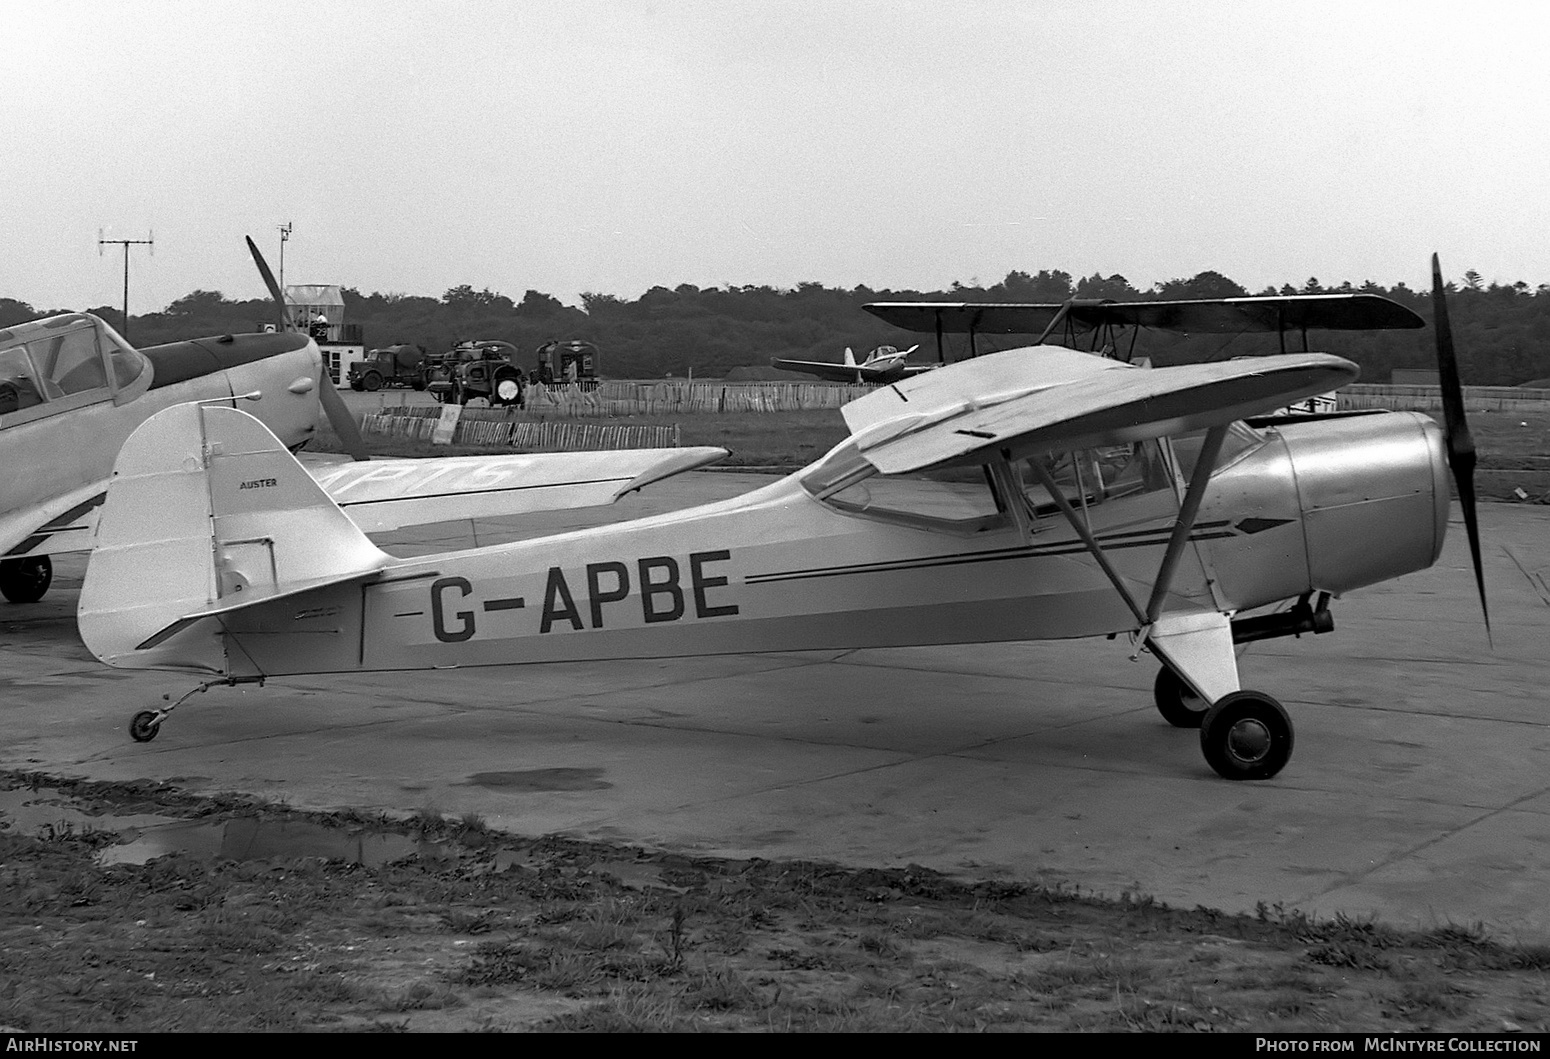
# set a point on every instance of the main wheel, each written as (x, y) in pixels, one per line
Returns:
(144, 726)
(372, 380)
(25, 580)
(1179, 705)
(1246, 735)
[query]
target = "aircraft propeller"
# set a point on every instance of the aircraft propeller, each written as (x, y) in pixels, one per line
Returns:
(1461, 444)
(339, 416)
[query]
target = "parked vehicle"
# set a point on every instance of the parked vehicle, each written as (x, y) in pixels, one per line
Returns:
(399, 365)
(562, 363)
(471, 370)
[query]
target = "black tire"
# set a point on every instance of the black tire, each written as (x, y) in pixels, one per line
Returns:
(25, 580)
(418, 384)
(144, 726)
(372, 381)
(357, 385)
(1179, 706)
(1246, 736)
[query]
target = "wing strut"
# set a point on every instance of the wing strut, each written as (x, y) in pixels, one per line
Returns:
(1181, 529)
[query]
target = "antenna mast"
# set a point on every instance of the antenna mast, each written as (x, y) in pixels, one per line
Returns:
(285, 234)
(149, 241)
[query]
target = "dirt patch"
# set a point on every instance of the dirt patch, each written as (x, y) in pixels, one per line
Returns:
(474, 929)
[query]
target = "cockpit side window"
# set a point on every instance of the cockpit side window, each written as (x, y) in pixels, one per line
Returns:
(1239, 440)
(956, 500)
(959, 499)
(71, 361)
(1089, 477)
(19, 387)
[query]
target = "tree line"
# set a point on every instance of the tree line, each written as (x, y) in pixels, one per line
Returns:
(1502, 331)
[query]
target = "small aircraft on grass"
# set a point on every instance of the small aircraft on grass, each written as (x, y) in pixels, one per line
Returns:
(883, 364)
(72, 390)
(1035, 493)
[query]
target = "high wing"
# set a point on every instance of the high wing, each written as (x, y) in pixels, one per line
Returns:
(1048, 398)
(1333, 312)
(389, 494)
(835, 372)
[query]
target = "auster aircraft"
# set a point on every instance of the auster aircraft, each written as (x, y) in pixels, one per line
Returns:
(1034, 493)
(72, 390)
(883, 364)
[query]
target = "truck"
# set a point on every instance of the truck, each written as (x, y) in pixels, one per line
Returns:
(399, 365)
(471, 370)
(573, 361)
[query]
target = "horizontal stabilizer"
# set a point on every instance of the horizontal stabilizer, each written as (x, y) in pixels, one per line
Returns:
(207, 513)
(389, 494)
(1079, 403)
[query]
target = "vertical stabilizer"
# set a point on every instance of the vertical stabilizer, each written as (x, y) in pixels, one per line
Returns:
(206, 513)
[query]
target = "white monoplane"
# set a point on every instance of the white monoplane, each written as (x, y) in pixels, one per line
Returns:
(1029, 494)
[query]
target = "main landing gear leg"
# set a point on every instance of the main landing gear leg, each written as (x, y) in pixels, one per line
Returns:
(1244, 735)
(145, 724)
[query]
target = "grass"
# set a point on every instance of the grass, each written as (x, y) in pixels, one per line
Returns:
(475, 938)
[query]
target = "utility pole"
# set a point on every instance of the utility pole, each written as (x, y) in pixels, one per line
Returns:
(285, 233)
(150, 241)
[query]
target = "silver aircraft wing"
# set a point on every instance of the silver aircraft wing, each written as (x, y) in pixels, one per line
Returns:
(1048, 398)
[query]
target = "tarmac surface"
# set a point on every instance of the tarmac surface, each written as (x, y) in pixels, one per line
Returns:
(1419, 790)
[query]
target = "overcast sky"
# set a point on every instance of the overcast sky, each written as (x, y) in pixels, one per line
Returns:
(612, 145)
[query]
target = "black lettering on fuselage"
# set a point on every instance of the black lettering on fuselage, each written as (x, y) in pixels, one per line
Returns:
(595, 593)
(439, 614)
(697, 561)
(557, 591)
(650, 589)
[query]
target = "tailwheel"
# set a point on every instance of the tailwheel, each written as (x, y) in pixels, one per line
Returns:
(25, 580)
(144, 726)
(1178, 704)
(1246, 735)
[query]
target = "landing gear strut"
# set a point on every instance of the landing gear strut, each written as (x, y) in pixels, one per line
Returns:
(145, 724)
(25, 580)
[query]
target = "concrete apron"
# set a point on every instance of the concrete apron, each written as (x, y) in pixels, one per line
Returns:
(1419, 791)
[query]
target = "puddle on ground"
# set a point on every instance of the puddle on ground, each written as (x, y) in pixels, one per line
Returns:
(542, 780)
(144, 836)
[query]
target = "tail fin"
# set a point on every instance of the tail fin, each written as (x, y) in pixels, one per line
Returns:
(850, 358)
(206, 513)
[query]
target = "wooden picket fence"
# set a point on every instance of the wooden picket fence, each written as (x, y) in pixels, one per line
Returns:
(615, 397)
(1429, 398)
(495, 429)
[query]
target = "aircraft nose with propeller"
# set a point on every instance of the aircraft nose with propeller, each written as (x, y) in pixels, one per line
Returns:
(1036, 493)
(72, 390)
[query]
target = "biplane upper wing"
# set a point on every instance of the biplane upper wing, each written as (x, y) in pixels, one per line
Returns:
(1332, 312)
(384, 495)
(1048, 398)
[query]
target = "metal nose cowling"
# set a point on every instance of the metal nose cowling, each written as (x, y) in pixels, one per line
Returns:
(1374, 495)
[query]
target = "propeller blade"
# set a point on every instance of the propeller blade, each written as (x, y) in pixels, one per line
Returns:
(339, 416)
(341, 420)
(1461, 444)
(283, 310)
